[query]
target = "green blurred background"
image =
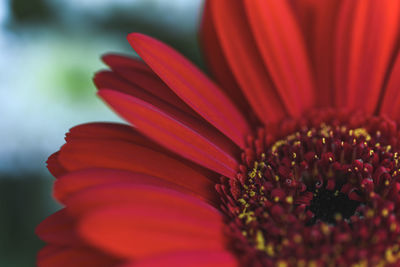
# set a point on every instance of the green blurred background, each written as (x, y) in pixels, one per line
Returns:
(49, 51)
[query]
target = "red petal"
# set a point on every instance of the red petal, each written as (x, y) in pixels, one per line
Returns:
(102, 195)
(141, 84)
(242, 56)
(283, 49)
(124, 61)
(366, 38)
(192, 86)
(54, 166)
(127, 133)
(58, 229)
(188, 259)
(217, 63)
(51, 256)
(391, 101)
(74, 182)
(157, 95)
(171, 133)
(118, 154)
(194, 122)
(154, 223)
(318, 20)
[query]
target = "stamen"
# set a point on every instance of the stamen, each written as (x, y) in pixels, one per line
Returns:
(315, 195)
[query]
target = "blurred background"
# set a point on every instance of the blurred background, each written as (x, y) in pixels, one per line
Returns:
(49, 51)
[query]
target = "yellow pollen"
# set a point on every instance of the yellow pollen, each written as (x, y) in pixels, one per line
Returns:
(362, 263)
(389, 256)
(289, 199)
(338, 217)
(370, 213)
(385, 212)
(393, 227)
(362, 132)
(277, 145)
(297, 238)
(276, 199)
(387, 182)
(276, 178)
(325, 229)
(260, 241)
(323, 140)
(242, 201)
(282, 264)
(270, 250)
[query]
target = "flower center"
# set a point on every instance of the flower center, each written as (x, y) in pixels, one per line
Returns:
(325, 194)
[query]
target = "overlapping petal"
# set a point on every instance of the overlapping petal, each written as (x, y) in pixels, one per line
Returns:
(366, 37)
(192, 86)
(188, 259)
(171, 133)
(244, 59)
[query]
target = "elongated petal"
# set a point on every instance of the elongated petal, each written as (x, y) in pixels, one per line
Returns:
(178, 113)
(282, 47)
(318, 20)
(391, 100)
(123, 61)
(58, 229)
(366, 38)
(192, 86)
(145, 87)
(51, 256)
(244, 59)
(98, 196)
(122, 78)
(188, 259)
(150, 222)
(116, 154)
(54, 166)
(76, 181)
(123, 132)
(217, 63)
(170, 133)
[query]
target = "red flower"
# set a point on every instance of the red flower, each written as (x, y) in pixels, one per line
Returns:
(301, 127)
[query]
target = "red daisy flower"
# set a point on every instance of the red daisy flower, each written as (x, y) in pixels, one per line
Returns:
(291, 160)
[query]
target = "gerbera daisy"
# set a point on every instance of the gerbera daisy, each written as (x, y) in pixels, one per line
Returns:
(291, 158)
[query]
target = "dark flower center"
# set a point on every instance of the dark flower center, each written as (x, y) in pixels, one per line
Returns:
(326, 194)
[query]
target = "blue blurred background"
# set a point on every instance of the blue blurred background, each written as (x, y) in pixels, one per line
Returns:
(49, 51)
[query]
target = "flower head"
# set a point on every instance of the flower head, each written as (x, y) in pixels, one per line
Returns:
(291, 158)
